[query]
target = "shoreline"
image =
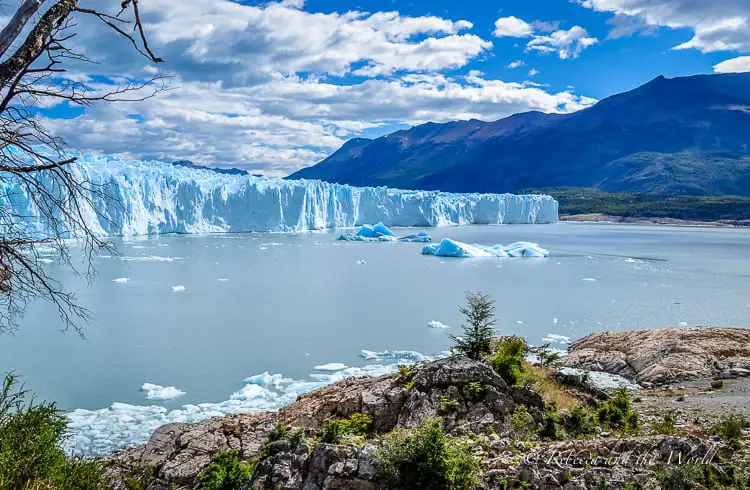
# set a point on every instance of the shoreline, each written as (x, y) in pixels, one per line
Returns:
(643, 220)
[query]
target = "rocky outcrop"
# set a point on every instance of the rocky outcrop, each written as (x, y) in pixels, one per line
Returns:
(177, 453)
(588, 464)
(469, 397)
(667, 355)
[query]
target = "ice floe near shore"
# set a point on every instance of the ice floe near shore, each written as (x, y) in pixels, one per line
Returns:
(156, 392)
(381, 233)
(96, 432)
(454, 248)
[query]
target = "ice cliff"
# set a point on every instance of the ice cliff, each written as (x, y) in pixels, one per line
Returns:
(146, 197)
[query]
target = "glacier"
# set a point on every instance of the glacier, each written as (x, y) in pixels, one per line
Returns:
(137, 197)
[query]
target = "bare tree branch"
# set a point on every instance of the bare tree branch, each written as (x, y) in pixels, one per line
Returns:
(35, 168)
(10, 32)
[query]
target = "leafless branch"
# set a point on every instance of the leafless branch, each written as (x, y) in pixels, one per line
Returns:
(36, 170)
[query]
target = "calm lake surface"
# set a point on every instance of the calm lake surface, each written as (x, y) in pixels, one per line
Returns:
(285, 303)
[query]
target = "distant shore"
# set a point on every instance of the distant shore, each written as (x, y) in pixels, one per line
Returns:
(599, 217)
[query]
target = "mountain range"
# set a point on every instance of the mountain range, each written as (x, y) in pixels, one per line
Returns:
(687, 136)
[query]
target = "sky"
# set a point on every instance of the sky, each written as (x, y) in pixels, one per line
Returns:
(275, 86)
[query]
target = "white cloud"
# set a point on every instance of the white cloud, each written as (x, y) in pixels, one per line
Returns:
(512, 27)
(515, 64)
(277, 128)
(567, 44)
(533, 72)
(741, 64)
(273, 88)
(717, 25)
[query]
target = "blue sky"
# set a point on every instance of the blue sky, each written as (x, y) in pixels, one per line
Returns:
(276, 85)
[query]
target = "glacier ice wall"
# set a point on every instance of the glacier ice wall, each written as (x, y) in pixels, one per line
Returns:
(146, 197)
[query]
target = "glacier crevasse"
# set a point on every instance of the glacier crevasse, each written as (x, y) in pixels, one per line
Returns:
(148, 197)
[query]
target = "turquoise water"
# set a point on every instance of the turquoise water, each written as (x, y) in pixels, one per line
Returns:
(284, 303)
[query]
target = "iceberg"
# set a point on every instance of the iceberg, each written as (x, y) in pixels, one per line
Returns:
(381, 233)
(156, 392)
(135, 197)
(454, 248)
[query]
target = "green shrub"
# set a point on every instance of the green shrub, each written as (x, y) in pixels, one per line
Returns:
(581, 422)
(547, 357)
(730, 429)
(551, 428)
(405, 376)
(278, 433)
(522, 422)
(717, 384)
(334, 430)
(477, 390)
(666, 425)
(30, 454)
(226, 472)
(447, 405)
(508, 360)
(425, 458)
(618, 413)
(478, 332)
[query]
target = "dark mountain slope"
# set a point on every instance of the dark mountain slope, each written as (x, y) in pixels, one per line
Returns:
(682, 135)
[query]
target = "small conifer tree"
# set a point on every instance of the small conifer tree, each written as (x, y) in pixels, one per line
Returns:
(478, 329)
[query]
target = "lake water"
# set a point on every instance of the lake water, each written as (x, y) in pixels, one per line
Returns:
(285, 303)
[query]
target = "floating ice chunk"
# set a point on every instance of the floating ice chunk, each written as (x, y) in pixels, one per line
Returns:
(520, 322)
(399, 355)
(381, 233)
(381, 230)
(156, 392)
(683, 324)
(331, 366)
(454, 248)
(589, 279)
(437, 324)
(361, 262)
(150, 258)
(178, 289)
(554, 320)
(222, 279)
(121, 280)
(554, 338)
(601, 380)
(421, 237)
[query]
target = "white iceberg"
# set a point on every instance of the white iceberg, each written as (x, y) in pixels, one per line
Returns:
(381, 233)
(454, 248)
(121, 280)
(157, 392)
(133, 197)
(437, 324)
(178, 289)
(331, 366)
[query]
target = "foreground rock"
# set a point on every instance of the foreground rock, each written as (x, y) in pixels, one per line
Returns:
(664, 356)
(290, 449)
(177, 453)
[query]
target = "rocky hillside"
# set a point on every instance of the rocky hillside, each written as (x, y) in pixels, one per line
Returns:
(666, 355)
(452, 423)
(672, 136)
